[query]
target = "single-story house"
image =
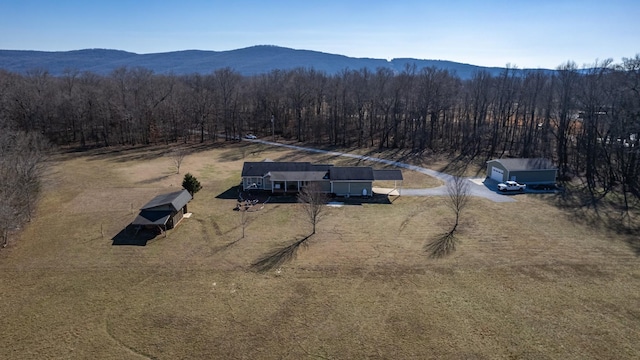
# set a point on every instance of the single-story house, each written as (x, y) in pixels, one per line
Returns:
(164, 211)
(522, 170)
(291, 177)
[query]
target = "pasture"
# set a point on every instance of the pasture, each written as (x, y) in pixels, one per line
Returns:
(527, 281)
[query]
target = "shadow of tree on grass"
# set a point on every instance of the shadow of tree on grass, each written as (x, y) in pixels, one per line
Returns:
(442, 246)
(605, 212)
(460, 164)
(279, 256)
(634, 243)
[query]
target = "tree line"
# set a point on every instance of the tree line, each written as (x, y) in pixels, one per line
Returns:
(587, 120)
(22, 159)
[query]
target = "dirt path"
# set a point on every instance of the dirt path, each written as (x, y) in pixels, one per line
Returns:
(477, 188)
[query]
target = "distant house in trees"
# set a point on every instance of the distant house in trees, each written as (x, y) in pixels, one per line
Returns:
(291, 177)
(522, 170)
(164, 211)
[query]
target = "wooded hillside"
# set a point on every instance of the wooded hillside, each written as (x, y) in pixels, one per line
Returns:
(586, 120)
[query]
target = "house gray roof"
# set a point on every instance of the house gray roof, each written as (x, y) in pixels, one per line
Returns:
(387, 175)
(338, 173)
(305, 171)
(259, 169)
(297, 175)
(177, 200)
(523, 164)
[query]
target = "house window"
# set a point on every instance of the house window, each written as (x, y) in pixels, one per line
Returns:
(252, 182)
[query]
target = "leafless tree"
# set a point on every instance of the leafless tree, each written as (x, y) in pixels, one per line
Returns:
(9, 218)
(313, 202)
(22, 157)
(197, 103)
(458, 197)
(458, 194)
(565, 86)
(177, 156)
(227, 83)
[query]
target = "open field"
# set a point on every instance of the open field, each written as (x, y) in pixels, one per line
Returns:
(536, 286)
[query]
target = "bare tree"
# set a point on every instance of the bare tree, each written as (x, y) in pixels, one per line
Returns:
(458, 197)
(313, 202)
(565, 84)
(22, 158)
(9, 215)
(177, 156)
(198, 104)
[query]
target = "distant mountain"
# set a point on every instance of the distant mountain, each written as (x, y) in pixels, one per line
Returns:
(248, 61)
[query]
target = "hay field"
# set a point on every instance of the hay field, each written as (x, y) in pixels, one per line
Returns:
(538, 286)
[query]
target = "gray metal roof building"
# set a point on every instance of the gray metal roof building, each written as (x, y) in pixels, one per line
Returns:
(523, 170)
(284, 177)
(164, 211)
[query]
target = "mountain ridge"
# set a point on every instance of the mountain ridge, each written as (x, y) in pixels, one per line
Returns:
(248, 61)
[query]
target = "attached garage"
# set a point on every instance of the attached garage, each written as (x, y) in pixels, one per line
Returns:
(340, 188)
(351, 188)
(351, 180)
(522, 170)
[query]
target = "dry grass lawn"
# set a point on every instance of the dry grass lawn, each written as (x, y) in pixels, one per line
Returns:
(526, 281)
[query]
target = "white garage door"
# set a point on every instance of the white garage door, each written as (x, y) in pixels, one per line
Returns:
(497, 174)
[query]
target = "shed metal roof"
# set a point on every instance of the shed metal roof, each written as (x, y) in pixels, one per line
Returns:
(152, 217)
(177, 200)
(526, 164)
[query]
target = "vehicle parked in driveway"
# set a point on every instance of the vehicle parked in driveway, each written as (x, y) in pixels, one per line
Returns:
(250, 136)
(511, 186)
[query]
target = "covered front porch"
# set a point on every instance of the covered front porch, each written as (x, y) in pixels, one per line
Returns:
(291, 182)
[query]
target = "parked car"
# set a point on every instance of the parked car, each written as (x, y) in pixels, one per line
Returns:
(250, 136)
(511, 186)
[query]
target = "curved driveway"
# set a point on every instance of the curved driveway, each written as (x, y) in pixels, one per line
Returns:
(476, 187)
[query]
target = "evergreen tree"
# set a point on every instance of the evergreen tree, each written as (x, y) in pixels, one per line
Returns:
(191, 184)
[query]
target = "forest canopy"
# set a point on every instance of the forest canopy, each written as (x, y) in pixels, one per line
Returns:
(587, 120)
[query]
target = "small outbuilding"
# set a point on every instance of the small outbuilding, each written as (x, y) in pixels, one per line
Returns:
(164, 211)
(522, 170)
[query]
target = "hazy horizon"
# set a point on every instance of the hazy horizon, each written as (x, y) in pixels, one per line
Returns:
(492, 33)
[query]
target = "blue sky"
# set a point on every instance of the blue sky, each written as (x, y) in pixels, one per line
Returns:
(522, 33)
